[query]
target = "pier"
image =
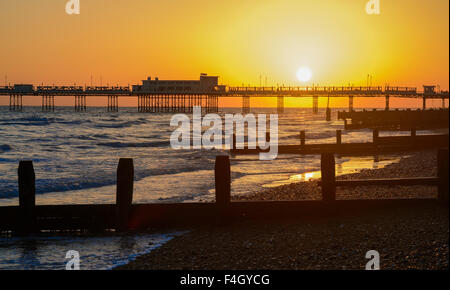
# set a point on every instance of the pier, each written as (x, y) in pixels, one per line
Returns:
(172, 96)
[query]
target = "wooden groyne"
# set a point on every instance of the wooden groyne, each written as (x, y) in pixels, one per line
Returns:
(379, 144)
(28, 218)
(396, 119)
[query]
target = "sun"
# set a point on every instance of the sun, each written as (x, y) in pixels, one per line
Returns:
(304, 74)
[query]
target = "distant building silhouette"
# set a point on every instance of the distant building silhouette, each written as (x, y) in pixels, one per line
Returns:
(206, 84)
(429, 90)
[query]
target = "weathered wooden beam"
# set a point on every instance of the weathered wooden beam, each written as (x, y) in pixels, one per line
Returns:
(302, 138)
(328, 171)
(443, 187)
(338, 137)
(124, 195)
(27, 197)
(328, 114)
(376, 135)
(142, 216)
(222, 180)
(385, 145)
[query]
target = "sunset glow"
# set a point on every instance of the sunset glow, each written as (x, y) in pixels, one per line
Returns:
(245, 42)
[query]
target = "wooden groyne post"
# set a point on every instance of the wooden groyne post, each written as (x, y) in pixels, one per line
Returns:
(376, 134)
(233, 143)
(328, 171)
(302, 139)
(443, 188)
(338, 137)
(124, 195)
(27, 197)
(222, 174)
(328, 114)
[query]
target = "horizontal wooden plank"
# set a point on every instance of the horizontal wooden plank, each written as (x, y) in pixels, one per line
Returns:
(383, 145)
(99, 217)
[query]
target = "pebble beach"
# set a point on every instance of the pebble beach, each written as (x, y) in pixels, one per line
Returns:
(406, 238)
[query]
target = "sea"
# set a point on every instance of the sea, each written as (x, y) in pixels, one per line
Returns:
(75, 157)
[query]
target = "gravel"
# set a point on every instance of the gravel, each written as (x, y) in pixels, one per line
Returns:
(406, 238)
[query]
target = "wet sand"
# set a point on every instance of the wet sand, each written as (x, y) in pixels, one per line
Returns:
(406, 238)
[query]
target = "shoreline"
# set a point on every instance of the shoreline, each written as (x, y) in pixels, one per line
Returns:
(403, 240)
(416, 164)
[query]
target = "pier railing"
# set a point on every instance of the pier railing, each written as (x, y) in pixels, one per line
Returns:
(308, 89)
(27, 218)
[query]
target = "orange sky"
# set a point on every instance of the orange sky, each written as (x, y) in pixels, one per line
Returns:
(125, 41)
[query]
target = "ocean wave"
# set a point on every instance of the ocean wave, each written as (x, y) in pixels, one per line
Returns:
(134, 145)
(93, 179)
(40, 121)
(120, 125)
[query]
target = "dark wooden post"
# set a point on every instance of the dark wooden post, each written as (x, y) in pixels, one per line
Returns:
(328, 114)
(328, 177)
(27, 197)
(338, 137)
(443, 190)
(413, 132)
(376, 134)
(302, 139)
(124, 195)
(223, 180)
(233, 143)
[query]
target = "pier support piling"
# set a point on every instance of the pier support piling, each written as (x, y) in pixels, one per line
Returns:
(113, 103)
(328, 172)
(177, 103)
(245, 104)
(27, 197)
(15, 102)
(387, 103)
(80, 103)
(48, 103)
(315, 104)
(280, 104)
(350, 103)
(124, 194)
(424, 103)
(141, 103)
